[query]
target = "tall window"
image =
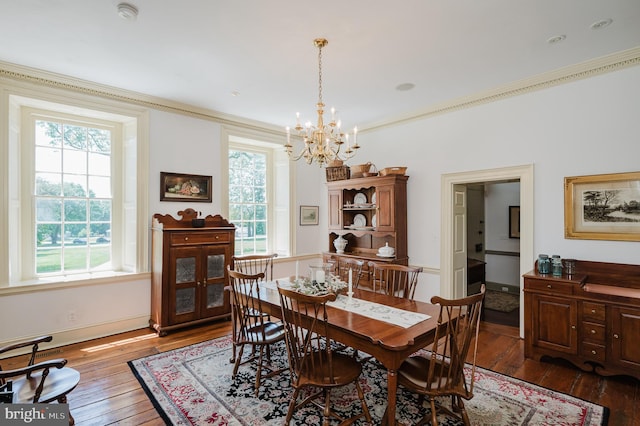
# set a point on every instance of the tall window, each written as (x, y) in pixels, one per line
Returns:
(249, 199)
(72, 196)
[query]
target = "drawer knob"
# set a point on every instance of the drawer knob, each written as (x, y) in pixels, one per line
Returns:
(217, 237)
(593, 331)
(186, 238)
(548, 285)
(616, 336)
(594, 352)
(573, 327)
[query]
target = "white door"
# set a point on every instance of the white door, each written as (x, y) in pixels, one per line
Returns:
(459, 242)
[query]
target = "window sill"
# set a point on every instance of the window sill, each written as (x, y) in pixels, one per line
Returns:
(70, 281)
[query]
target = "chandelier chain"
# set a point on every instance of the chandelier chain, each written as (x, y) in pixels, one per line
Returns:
(325, 144)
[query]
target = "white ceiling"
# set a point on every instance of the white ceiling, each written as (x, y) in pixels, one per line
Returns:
(199, 52)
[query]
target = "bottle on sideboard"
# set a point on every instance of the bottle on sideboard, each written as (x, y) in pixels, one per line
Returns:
(543, 264)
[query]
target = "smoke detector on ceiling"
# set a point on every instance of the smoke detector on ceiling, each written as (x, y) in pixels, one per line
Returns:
(127, 11)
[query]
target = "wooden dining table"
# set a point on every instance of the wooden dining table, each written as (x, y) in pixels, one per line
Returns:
(389, 344)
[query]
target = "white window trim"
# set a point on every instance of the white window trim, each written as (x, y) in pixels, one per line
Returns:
(278, 169)
(135, 222)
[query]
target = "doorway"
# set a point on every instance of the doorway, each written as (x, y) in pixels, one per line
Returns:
(453, 271)
(493, 248)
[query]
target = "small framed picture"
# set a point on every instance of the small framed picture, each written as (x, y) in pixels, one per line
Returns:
(183, 187)
(309, 215)
(514, 221)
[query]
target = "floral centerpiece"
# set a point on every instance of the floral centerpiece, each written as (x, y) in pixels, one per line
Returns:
(333, 284)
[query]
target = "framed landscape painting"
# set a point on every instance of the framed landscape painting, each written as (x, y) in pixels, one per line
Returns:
(183, 187)
(309, 215)
(602, 207)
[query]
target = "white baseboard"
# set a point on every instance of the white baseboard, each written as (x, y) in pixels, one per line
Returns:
(82, 334)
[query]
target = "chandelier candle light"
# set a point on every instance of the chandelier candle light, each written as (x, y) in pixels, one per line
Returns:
(322, 143)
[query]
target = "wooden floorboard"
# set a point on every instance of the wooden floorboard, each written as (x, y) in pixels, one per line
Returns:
(108, 392)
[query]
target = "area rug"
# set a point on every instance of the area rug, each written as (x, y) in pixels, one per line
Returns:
(193, 386)
(501, 301)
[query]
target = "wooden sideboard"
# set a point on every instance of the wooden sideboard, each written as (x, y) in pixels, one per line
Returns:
(189, 270)
(590, 318)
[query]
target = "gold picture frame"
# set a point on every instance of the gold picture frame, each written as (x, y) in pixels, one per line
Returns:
(602, 207)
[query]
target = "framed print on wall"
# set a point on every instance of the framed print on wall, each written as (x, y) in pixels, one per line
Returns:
(309, 215)
(602, 207)
(184, 187)
(514, 221)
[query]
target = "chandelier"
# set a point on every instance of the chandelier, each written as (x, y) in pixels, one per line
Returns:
(323, 143)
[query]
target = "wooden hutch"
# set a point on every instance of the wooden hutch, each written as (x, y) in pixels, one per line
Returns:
(369, 213)
(189, 270)
(590, 318)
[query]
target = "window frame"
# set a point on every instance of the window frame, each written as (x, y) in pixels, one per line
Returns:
(134, 235)
(280, 175)
(27, 187)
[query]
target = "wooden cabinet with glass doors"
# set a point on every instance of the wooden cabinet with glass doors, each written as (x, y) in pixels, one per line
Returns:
(368, 213)
(189, 270)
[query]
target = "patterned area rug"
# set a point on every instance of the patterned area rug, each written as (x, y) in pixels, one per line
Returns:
(501, 301)
(193, 386)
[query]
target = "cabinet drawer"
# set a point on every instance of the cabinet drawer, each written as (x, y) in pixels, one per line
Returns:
(593, 351)
(593, 311)
(188, 238)
(594, 332)
(549, 286)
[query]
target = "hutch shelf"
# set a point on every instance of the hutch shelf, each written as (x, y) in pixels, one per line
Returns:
(189, 270)
(369, 213)
(590, 318)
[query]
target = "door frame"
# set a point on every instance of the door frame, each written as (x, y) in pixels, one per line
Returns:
(522, 173)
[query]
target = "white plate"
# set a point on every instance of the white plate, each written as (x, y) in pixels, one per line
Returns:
(374, 221)
(364, 228)
(360, 198)
(373, 199)
(359, 220)
(382, 255)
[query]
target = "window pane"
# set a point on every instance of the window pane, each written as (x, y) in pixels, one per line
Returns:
(74, 185)
(100, 141)
(75, 210)
(99, 187)
(75, 137)
(75, 259)
(75, 161)
(48, 159)
(48, 210)
(100, 210)
(48, 260)
(48, 134)
(99, 164)
(48, 184)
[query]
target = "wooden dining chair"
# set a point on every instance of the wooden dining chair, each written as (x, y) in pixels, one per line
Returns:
(251, 264)
(44, 382)
(394, 279)
(312, 361)
(441, 373)
(252, 328)
(344, 264)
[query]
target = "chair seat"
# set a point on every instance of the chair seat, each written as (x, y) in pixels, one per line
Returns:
(273, 332)
(411, 373)
(346, 369)
(58, 383)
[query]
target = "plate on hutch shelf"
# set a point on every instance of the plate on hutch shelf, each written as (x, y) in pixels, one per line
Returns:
(360, 199)
(373, 199)
(374, 220)
(383, 255)
(364, 228)
(359, 220)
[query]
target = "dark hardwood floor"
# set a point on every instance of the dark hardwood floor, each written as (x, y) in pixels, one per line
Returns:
(108, 392)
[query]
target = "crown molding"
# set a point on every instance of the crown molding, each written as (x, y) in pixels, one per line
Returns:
(594, 67)
(59, 81)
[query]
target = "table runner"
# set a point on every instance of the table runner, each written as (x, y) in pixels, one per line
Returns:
(373, 310)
